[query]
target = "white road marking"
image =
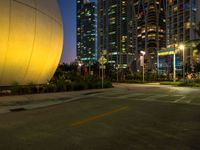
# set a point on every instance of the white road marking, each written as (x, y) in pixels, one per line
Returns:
(183, 100)
(178, 100)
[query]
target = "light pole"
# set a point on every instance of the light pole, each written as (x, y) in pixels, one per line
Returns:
(158, 65)
(174, 65)
(80, 65)
(182, 47)
(142, 64)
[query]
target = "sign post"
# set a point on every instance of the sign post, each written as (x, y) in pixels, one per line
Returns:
(102, 60)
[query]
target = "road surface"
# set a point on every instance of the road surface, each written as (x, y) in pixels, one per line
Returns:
(127, 117)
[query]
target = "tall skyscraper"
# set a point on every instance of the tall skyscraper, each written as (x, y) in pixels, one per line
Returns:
(182, 16)
(127, 27)
(86, 31)
(112, 31)
(147, 29)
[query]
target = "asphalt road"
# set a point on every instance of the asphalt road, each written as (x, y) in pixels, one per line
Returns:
(128, 117)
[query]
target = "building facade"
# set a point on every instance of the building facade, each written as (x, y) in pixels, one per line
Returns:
(147, 29)
(183, 16)
(113, 33)
(127, 27)
(86, 31)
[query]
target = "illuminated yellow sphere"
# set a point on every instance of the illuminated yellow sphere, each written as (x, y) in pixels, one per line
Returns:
(31, 41)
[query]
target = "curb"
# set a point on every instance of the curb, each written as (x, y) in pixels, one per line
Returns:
(47, 103)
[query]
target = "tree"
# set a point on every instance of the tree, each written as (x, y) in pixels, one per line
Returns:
(197, 30)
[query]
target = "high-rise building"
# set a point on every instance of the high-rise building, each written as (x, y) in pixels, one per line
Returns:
(182, 19)
(112, 32)
(127, 27)
(86, 31)
(147, 29)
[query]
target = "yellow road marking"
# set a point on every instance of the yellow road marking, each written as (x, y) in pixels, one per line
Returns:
(84, 121)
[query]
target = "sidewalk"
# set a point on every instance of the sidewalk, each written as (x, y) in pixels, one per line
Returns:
(32, 101)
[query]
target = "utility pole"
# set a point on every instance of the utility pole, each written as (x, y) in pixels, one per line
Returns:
(174, 66)
(142, 64)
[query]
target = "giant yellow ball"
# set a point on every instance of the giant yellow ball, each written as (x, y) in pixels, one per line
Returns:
(31, 41)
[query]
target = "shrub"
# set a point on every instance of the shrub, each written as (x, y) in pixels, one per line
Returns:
(50, 88)
(79, 85)
(107, 84)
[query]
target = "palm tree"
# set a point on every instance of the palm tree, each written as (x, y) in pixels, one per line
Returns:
(197, 30)
(196, 42)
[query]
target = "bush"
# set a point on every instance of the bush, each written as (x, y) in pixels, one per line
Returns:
(62, 81)
(79, 85)
(107, 84)
(50, 88)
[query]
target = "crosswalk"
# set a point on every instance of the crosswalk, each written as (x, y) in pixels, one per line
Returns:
(170, 97)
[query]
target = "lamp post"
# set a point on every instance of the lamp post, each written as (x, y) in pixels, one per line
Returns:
(80, 65)
(142, 64)
(182, 47)
(158, 64)
(174, 65)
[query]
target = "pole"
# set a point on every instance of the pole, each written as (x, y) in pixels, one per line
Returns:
(102, 77)
(143, 72)
(143, 68)
(158, 64)
(117, 75)
(174, 67)
(183, 63)
(142, 64)
(89, 68)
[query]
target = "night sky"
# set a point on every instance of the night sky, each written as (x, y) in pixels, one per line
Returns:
(68, 11)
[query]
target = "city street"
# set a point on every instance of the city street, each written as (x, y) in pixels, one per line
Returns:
(127, 117)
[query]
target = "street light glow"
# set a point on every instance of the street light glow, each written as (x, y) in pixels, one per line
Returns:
(143, 52)
(142, 63)
(181, 47)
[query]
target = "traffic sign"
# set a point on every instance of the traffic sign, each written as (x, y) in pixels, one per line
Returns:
(102, 67)
(102, 60)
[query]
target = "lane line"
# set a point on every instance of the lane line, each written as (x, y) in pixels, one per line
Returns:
(87, 120)
(178, 100)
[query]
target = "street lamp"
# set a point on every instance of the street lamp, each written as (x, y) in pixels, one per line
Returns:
(142, 63)
(182, 47)
(174, 65)
(80, 66)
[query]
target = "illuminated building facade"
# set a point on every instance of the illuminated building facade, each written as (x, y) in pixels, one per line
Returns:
(31, 41)
(86, 31)
(182, 17)
(113, 33)
(147, 29)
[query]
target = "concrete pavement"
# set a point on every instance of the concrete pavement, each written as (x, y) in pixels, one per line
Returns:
(23, 102)
(32, 101)
(128, 117)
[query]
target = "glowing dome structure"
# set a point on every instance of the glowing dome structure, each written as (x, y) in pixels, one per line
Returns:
(31, 41)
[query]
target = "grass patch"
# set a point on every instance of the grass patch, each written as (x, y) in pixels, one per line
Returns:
(183, 84)
(133, 81)
(171, 83)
